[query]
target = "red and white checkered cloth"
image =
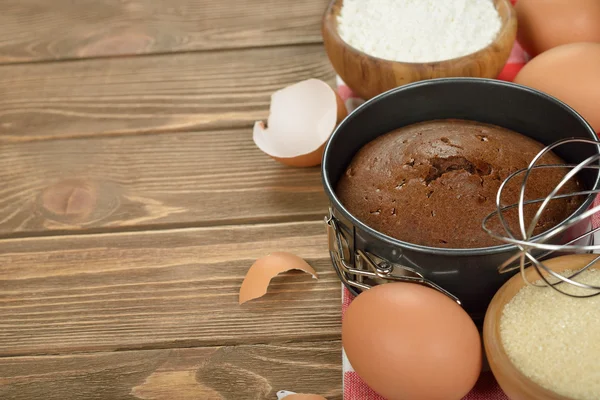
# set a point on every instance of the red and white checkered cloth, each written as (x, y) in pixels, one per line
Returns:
(486, 388)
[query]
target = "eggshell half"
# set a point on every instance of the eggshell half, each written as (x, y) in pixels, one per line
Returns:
(301, 120)
(571, 73)
(264, 269)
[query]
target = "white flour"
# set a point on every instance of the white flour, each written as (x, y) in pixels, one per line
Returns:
(418, 30)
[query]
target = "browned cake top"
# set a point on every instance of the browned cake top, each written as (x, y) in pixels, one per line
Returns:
(432, 183)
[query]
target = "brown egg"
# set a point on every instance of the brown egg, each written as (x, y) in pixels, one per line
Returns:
(544, 24)
(407, 341)
(570, 73)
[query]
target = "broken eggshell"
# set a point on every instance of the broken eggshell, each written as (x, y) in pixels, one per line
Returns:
(302, 118)
(264, 269)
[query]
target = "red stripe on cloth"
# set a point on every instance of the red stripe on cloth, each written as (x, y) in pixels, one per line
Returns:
(346, 300)
(596, 216)
(510, 71)
(345, 92)
(485, 389)
(356, 389)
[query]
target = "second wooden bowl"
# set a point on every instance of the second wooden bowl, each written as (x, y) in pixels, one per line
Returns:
(515, 384)
(369, 76)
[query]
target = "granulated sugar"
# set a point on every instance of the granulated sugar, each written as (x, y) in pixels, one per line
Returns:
(554, 339)
(418, 30)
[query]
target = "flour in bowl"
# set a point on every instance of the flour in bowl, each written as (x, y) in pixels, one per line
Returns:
(418, 30)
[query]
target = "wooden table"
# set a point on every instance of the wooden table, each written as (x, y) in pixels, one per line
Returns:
(133, 200)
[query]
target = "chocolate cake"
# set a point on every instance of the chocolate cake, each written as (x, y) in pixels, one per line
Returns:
(432, 183)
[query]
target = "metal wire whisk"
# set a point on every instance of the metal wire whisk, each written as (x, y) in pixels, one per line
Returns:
(533, 249)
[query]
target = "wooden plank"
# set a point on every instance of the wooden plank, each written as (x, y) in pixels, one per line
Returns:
(178, 92)
(150, 181)
(34, 30)
(161, 289)
(242, 372)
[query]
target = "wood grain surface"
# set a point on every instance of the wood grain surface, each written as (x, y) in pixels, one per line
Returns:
(35, 30)
(219, 373)
(133, 201)
(150, 181)
(162, 289)
(132, 95)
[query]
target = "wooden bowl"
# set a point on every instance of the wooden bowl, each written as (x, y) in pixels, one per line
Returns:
(516, 385)
(369, 76)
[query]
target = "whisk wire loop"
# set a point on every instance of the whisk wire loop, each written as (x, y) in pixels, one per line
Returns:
(532, 250)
